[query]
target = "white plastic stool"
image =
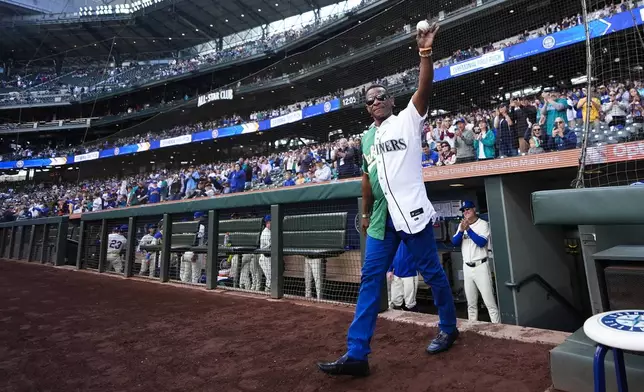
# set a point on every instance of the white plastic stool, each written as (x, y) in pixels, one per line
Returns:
(616, 330)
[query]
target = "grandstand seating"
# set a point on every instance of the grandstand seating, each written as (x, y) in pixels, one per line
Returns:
(438, 129)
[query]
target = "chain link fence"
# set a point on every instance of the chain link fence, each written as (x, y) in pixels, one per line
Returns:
(240, 265)
(90, 245)
(322, 258)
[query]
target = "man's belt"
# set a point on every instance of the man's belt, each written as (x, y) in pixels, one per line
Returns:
(476, 263)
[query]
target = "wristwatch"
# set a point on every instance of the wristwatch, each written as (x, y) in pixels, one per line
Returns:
(365, 216)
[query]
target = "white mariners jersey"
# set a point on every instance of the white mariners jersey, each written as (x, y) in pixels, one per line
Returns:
(398, 154)
(471, 251)
(148, 240)
(115, 243)
(265, 239)
(201, 235)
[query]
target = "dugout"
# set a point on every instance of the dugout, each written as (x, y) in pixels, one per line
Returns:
(611, 223)
(319, 255)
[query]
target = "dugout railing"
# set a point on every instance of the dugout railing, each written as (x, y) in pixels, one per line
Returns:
(45, 240)
(315, 249)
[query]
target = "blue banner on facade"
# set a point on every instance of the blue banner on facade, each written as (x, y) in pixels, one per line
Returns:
(535, 46)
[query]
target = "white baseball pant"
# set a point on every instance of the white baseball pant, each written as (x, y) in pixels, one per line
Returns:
(190, 270)
(250, 273)
(148, 264)
(265, 264)
(404, 289)
(312, 269)
(115, 262)
(479, 279)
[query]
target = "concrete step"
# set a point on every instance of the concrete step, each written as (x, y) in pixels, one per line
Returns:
(571, 366)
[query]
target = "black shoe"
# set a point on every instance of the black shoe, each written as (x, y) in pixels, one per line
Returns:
(414, 309)
(399, 307)
(442, 342)
(345, 366)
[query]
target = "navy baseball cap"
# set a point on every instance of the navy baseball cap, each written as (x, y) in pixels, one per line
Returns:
(267, 218)
(467, 204)
(199, 214)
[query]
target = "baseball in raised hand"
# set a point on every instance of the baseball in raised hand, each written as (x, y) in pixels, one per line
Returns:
(425, 34)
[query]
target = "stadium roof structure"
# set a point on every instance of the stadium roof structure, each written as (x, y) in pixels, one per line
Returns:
(165, 26)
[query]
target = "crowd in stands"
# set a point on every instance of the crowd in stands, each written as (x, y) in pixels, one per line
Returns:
(90, 81)
(317, 163)
(547, 122)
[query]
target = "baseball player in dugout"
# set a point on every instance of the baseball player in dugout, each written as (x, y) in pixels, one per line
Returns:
(396, 208)
(472, 236)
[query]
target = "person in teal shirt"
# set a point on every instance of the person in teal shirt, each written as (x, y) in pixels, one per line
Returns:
(554, 106)
(484, 140)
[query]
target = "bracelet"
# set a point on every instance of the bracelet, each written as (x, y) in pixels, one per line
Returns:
(365, 216)
(425, 52)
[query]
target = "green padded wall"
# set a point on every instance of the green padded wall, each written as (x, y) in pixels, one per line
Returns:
(592, 206)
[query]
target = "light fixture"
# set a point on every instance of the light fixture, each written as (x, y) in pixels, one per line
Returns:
(242, 15)
(456, 185)
(259, 10)
(211, 25)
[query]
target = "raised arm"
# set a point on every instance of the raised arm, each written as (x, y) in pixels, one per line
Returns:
(425, 40)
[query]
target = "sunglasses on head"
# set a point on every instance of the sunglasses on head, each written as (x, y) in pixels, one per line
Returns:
(379, 97)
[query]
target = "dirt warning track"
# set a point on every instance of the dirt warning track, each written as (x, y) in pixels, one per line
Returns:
(65, 330)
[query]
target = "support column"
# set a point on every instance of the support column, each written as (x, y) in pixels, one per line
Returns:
(521, 249)
(30, 247)
(3, 235)
(212, 266)
(81, 246)
(164, 274)
(277, 251)
(61, 243)
(21, 241)
(12, 240)
(102, 249)
(43, 248)
(130, 246)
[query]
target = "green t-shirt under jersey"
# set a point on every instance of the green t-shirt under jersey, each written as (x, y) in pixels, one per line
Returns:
(379, 214)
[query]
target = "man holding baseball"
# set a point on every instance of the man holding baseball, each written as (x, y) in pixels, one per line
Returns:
(396, 208)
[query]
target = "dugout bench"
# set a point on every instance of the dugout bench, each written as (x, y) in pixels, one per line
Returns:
(316, 237)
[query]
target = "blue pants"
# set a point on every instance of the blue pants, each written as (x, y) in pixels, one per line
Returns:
(379, 255)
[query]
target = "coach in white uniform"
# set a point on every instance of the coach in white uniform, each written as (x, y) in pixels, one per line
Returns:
(191, 264)
(265, 261)
(115, 244)
(472, 236)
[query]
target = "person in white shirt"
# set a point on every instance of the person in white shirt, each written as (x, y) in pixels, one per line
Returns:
(395, 208)
(97, 204)
(322, 172)
(265, 261)
(115, 245)
(149, 263)
(472, 236)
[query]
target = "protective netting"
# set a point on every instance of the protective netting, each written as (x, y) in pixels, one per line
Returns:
(240, 264)
(616, 124)
(90, 245)
(322, 258)
(147, 261)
